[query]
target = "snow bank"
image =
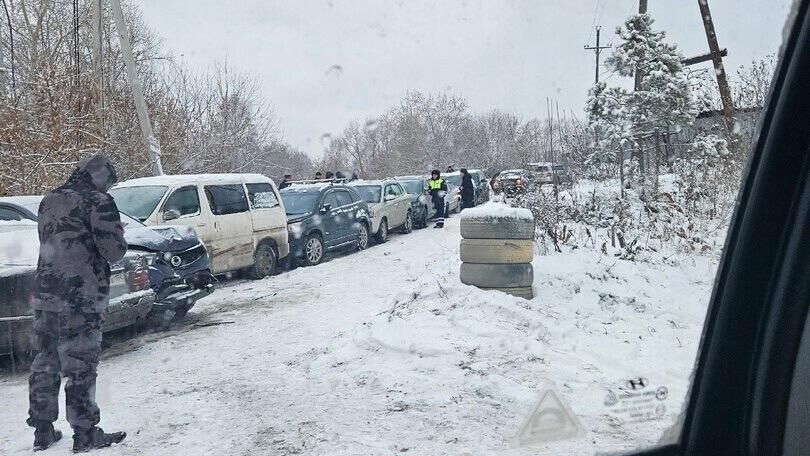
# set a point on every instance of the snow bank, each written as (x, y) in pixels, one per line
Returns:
(493, 209)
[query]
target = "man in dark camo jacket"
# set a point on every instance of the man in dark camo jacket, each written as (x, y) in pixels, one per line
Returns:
(80, 234)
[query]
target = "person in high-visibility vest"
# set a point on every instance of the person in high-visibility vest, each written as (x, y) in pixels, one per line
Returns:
(438, 190)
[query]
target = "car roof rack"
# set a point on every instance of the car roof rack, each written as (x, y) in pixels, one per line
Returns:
(339, 180)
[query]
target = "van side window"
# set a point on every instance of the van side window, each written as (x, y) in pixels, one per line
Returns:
(261, 196)
(186, 201)
(226, 199)
(343, 198)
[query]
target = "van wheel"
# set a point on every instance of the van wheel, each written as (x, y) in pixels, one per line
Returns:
(382, 233)
(313, 250)
(407, 227)
(264, 261)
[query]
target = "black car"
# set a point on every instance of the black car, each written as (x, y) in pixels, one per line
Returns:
(180, 273)
(421, 205)
(323, 217)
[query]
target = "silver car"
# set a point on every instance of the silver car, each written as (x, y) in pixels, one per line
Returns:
(389, 206)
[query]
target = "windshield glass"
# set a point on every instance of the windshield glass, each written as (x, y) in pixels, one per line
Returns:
(138, 202)
(414, 187)
(369, 193)
(296, 203)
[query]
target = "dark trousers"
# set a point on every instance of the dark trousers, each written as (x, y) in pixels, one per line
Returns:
(467, 200)
(70, 343)
(438, 205)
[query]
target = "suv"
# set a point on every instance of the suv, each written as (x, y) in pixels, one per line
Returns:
(239, 217)
(546, 173)
(324, 216)
(389, 206)
(512, 181)
(422, 209)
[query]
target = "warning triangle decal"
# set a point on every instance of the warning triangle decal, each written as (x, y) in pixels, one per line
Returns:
(551, 420)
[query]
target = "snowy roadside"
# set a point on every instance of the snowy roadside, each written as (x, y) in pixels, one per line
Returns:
(386, 351)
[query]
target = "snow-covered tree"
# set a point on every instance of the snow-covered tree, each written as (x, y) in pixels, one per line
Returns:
(663, 101)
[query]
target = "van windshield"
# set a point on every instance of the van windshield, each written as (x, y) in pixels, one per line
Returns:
(138, 202)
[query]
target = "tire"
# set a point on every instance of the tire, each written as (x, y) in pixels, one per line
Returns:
(313, 250)
(180, 313)
(362, 237)
(497, 228)
(497, 275)
(519, 292)
(265, 261)
(382, 232)
(496, 251)
(407, 227)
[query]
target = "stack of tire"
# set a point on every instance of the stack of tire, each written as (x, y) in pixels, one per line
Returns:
(497, 250)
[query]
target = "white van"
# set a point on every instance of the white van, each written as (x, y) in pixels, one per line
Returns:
(239, 217)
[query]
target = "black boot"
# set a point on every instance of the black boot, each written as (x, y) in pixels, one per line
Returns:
(45, 436)
(84, 441)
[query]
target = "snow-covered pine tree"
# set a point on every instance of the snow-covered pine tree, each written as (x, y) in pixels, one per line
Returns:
(663, 101)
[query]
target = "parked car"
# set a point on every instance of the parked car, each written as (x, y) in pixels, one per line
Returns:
(481, 185)
(512, 181)
(239, 217)
(323, 217)
(389, 206)
(131, 297)
(541, 173)
(180, 274)
(422, 209)
(453, 200)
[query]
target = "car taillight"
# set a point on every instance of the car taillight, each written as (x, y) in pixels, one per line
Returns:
(138, 280)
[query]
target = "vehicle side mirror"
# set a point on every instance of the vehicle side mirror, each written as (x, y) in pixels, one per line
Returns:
(390, 197)
(326, 208)
(171, 214)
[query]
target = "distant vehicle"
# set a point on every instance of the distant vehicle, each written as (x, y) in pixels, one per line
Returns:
(239, 217)
(541, 173)
(389, 206)
(324, 216)
(421, 205)
(481, 186)
(180, 273)
(453, 199)
(131, 297)
(512, 181)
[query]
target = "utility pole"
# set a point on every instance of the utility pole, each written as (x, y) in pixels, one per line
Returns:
(96, 19)
(137, 90)
(717, 60)
(597, 50)
(642, 9)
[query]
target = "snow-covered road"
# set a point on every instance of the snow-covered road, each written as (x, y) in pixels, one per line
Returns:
(384, 351)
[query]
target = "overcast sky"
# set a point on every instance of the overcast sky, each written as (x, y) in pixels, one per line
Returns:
(508, 55)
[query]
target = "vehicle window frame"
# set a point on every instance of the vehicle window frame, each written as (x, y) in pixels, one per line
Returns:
(211, 205)
(166, 199)
(340, 191)
(324, 197)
